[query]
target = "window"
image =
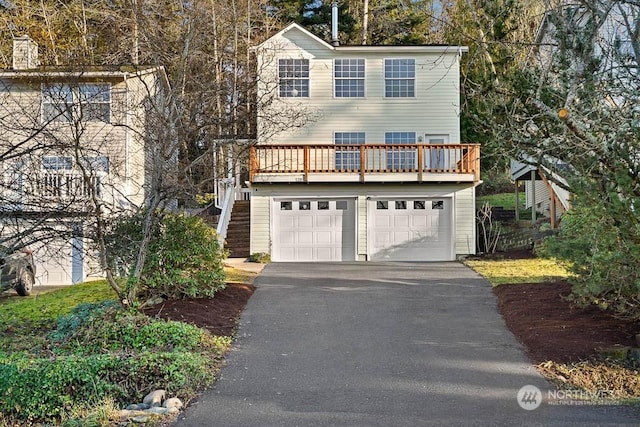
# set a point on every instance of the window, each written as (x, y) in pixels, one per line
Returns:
(437, 204)
(348, 77)
(286, 206)
(419, 205)
(348, 158)
(399, 78)
(95, 102)
(56, 163)
(400, 158)
(401, 205)
(382, 205)
(57, 103)
(98, 164)
(90, 102)
(323, 206)
(61, 179)
(293, 77)
(304, 206)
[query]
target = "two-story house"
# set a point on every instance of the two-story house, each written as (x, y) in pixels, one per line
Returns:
(74, 144)
(377, 171)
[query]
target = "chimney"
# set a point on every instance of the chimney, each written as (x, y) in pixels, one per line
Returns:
(25, 53)
(334, 24)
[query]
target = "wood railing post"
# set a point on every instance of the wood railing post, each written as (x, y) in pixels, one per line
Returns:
(420, 161)
(363, 152)
(306, 164)
(252, 163)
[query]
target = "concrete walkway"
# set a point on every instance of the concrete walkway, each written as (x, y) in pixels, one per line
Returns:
(380, 344)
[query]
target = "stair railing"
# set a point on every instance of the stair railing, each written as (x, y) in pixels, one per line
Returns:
(227, 207)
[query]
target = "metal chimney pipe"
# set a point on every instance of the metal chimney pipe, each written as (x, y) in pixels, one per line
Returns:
(334, 24)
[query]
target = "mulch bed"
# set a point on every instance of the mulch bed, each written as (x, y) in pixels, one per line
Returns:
(219, 315)
(538, 314)
(551, 328)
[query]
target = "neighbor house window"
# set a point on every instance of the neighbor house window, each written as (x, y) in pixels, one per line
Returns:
(293, 78)
(62, 179)
(399, 78)
(400, 158)
(348, 158)
(86, 102)
(348, 75)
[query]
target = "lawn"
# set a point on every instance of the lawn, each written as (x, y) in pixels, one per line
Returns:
(534, 270)
(90, 360)
(504, 200)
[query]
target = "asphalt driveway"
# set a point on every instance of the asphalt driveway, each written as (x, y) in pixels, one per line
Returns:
(380, 344)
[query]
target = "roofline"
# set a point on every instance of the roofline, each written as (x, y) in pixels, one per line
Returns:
(368, 48)
(78, 74)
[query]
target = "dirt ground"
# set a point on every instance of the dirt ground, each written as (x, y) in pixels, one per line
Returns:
(537, 314)
(218, 315)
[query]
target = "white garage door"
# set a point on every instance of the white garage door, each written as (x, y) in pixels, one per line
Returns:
(314, 230)
(410, 230)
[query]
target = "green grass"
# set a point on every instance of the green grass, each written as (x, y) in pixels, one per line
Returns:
(44, 308)
(538, 270)
(504, 200)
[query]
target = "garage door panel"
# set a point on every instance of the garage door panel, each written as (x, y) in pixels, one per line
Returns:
(323, 237)
(305, 221)
(419, 232)
(320, 232)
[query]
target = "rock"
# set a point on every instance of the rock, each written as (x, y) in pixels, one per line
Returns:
(157, 410)
(154, 301)
(143, 406)
(173, 402)
(132, 407)
(634, 356)
(616, 352)
(173, 410)
(140, 419)
(154, 398)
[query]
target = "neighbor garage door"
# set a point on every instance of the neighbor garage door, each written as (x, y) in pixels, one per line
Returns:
(314, 230)
(410, 229)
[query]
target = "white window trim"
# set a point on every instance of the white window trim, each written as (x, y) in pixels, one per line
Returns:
(364, 80)
(415, 80)
(294, 78)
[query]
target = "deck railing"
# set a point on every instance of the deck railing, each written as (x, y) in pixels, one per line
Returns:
(427, 161)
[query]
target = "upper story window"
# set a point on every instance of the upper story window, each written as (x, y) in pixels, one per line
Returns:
(348, 77)
(400, 78)
(293, 78)
(86, 102)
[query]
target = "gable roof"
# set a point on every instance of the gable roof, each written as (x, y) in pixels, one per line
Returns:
(362, 48)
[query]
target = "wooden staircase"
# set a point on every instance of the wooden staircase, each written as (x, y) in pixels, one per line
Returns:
(238, 233)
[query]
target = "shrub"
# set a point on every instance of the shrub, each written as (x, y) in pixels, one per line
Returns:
(184, 258)
(107, 355)
(602, 250)
(260, 257)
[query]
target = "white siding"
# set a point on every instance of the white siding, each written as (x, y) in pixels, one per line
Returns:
(463, 196)
(465, 223)
(260, 224)
(434, 110)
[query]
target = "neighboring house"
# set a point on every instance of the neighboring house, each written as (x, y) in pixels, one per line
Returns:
(72, 138)
(549, 196)
(377, 172)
